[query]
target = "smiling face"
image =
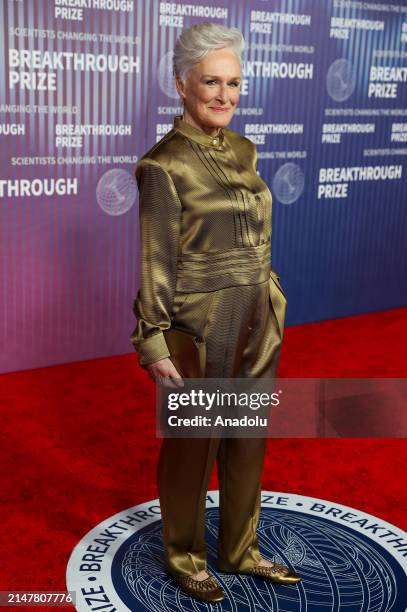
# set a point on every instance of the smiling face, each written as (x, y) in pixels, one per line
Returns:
(212, 89)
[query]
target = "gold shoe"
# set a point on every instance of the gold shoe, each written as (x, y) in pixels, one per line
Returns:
(275, 573)
(206, 590)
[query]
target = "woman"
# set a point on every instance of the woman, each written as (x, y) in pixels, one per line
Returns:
(205, 218)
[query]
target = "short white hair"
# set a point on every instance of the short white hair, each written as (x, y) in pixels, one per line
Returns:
(199, 40)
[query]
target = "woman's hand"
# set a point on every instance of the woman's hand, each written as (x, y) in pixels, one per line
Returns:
(165, 369)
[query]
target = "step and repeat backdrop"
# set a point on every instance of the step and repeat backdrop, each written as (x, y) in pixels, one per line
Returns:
(86, 87)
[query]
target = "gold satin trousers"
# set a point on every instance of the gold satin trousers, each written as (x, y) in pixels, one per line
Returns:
(243, 328)
(184, 469)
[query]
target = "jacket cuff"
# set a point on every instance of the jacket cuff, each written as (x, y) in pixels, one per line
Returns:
(151, 349)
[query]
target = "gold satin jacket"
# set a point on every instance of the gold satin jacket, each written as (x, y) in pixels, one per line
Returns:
(205, 223)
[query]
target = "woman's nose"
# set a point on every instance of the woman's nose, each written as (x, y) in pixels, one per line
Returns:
(223, 94)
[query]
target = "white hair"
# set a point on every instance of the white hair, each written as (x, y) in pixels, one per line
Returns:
(199, 40)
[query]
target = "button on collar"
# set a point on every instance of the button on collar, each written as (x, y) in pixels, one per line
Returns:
(198, 135)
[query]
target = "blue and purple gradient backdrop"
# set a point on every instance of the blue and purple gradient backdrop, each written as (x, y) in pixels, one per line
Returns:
(70, 271)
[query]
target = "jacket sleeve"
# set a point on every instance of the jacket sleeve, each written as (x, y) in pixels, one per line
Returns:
(160, 220)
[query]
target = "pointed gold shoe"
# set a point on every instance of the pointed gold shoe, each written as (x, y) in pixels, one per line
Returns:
(205, 590)
(275, 573)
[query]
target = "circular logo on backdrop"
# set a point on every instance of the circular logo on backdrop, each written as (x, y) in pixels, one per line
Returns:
(349, 561)
(116, 191)
(288, 183)
(165, 77)
(340, 80)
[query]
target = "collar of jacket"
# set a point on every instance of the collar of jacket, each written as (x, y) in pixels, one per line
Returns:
(198, 135)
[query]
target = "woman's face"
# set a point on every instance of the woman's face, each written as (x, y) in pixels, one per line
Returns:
(212, 90)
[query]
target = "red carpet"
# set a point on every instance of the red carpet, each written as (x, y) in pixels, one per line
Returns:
(78, 444)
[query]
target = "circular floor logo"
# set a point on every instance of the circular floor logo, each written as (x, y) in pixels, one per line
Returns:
(349, 561)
